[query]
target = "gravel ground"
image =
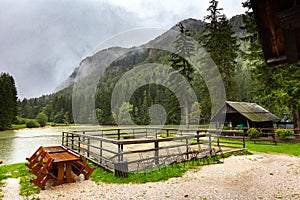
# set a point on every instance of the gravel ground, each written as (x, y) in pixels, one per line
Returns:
(258, 176)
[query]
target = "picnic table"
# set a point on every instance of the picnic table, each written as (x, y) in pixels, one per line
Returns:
(58, 163)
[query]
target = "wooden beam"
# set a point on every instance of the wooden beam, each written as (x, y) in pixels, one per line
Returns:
(290, 45)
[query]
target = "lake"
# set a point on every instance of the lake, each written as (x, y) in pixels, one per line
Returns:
(19, 144)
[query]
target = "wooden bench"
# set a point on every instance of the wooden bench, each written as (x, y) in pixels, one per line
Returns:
(82, 167)
(35, 158)
(45, 172)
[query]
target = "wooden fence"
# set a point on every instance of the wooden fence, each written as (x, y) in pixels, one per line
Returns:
(135, 149)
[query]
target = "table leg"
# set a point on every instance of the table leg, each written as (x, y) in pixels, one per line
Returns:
(69, 178)
(60, 174)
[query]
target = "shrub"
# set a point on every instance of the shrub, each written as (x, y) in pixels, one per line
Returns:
(253, 133)
(20, 120)
(32, 124)
(283, 133)
(42, 119)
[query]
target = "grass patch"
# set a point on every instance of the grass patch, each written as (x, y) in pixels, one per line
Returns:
(19, 171)
(165, 135)
(18, 126)
(268, 147)
(163, 174)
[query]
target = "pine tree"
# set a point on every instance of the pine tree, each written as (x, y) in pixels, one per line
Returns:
(219, 40)
(185, 49)
(8, 101)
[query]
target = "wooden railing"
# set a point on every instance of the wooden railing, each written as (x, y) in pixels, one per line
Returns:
(142, 148)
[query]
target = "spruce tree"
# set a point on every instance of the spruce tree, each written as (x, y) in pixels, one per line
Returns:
(8, 101)
(219, 40)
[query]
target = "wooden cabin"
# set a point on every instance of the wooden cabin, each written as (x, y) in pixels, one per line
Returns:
(245, 115)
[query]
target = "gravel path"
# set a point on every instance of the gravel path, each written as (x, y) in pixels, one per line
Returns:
(258, 176)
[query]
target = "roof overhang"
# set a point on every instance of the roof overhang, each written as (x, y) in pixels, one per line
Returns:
(278, 24)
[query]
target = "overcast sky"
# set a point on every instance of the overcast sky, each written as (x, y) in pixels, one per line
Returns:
(41, 42)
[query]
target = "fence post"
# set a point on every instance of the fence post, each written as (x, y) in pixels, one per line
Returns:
(167, 132)
(79, 148)
(187, 148)
(244, 145)
(120, 152)
(119, 134)
(72, 141)
(88, 148)
(100, 151)
(63, 138)
(156, 153)
(67, 139)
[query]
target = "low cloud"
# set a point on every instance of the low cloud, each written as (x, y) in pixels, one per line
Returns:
(43, 41)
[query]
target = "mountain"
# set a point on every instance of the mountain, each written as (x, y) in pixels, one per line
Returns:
(90, 65)
(88, 91)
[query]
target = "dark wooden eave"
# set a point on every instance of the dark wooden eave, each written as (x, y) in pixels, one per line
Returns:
(278, 24)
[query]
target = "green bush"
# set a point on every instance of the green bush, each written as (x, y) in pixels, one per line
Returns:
(20, 120)
(32, 124)
(42, 119)
(253, 133)
(283, 133)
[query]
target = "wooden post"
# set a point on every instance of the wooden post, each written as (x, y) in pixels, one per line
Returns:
(120, 152)
(67, 139)
(63, 138)
(79, 148)
(187, 148)
(119, 134)
(167, 132)
(100, 152)
(156, 153)
(72, 142)
(88, 147)
(244, 140)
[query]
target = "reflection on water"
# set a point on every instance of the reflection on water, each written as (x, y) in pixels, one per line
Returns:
(17, 145)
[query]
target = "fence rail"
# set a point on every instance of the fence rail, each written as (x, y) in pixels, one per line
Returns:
(144, 148)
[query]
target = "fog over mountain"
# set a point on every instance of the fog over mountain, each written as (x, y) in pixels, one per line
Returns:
(43, 41)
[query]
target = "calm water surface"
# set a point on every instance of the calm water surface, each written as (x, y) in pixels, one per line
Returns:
(15, 146)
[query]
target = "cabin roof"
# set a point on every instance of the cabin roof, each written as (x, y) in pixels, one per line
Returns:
(251, 111)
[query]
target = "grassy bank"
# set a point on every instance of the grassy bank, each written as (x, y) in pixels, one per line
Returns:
(270, 147)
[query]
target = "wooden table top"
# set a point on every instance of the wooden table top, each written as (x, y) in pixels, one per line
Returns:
(63, 157)
(54, 149)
